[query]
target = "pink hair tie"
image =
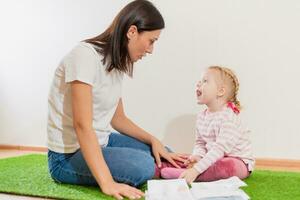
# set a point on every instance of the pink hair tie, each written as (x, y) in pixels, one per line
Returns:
(231, 105)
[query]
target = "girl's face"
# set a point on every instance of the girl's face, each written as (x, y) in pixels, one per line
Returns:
(139, 44)
(207, 88)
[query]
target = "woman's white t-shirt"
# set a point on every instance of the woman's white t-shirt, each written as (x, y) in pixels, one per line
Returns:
(84, 64)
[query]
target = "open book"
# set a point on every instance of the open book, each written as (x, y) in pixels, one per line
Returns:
(177, 189)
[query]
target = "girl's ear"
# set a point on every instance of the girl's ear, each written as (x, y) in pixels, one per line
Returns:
(132, 32)
(221, 91)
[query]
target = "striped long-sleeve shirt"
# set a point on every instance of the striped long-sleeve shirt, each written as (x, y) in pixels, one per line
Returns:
(221, 134)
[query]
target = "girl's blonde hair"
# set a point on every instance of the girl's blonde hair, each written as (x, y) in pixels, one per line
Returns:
(229, 77)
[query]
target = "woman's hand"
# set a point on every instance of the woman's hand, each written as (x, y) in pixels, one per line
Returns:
(189, 163)
(120, 190)
(159, 150)
(189, 175)
(181, 157)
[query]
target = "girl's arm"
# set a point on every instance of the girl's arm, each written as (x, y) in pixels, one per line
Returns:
(121, 123)
(199, 148)
(225, 142)
(92, 153)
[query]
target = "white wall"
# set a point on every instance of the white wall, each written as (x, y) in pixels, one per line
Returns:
(258, 39)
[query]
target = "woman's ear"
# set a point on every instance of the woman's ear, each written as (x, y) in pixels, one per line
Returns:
(132, 32)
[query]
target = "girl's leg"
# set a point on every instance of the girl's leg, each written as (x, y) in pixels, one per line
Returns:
(171, 172)
(225, 168)
(169, 166)
(126, 165)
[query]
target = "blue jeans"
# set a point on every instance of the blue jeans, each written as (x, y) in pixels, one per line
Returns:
(128, 160)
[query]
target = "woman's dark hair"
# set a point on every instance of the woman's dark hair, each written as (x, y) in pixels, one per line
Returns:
(112, 43)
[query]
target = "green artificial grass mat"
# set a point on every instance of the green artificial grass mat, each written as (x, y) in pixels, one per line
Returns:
(28, 175)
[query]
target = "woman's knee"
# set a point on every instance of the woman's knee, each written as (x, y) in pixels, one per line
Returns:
(144, 169)
(130, 166)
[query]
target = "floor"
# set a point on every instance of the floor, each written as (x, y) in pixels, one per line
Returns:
(11, 153)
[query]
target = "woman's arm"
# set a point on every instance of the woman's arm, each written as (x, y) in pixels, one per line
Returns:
(82, 120)
(121, 123)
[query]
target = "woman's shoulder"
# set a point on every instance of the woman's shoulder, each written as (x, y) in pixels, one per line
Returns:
(83, 55)
(85, 49)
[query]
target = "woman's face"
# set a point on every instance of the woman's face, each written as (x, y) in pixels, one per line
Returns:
(139, 44)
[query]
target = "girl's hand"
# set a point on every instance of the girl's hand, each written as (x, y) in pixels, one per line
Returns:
(159, 150)
(189, 175)
(120, 190)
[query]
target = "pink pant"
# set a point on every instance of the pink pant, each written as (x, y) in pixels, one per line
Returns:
(223, 168)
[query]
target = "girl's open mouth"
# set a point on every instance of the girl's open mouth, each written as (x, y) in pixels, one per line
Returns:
(198, 93)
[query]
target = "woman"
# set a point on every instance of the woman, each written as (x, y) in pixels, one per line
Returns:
(85, 99)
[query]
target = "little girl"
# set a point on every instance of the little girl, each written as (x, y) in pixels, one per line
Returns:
(222, 147)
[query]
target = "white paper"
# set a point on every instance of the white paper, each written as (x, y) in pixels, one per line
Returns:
(176, 189)
(231, 183)
(222, 188)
